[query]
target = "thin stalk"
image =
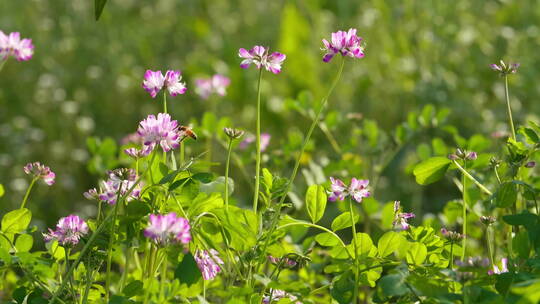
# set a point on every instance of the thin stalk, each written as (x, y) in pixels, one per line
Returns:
(2, 63)
(297, 163)
(229, 150)
(510, 120)
(489, 245)
(469, 176)
(99, 210)
(126, 268)
(353, 226)
(182, 153)
(464, 189)
(451, 255)
(27, 194)
(163, 276)
(87, 286)
(69, 277)
(109, 250)
(258, 145)
(165, 101)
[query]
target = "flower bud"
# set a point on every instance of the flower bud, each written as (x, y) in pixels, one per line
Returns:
(530, 164)
(471, 155)
(233, 133)
(487, 219)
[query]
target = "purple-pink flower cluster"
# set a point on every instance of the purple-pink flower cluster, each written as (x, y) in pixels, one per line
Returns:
(249, 139)
(165, 229)
(160, 130)
(283, 262)
(12, 45)
(208, 262)
(497, 270)
(40, 171)
(504, 68)
(401, 217)
(358, 189)
(261, 57)
(278, 294)
(119, 183)
(344, 43)
(216, 84)
(68, 231)
(155, 81)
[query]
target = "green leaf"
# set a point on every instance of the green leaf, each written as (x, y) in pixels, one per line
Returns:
(417, 253)
(5, 256)
(530, 135)
(343, 221)
(187, 271)
(24, 242)
(506, 196)
(16, 221)
(316, 202)
(132, 289)
(528, 220)
(394, 284)
(342, 288)
(98, 7)
(389, 243)
(204, 202)
(431, 170)
(364, 242)
(326, 239)
(520, 243)
(2, 191)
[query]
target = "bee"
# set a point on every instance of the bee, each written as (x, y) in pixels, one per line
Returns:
(186, 131)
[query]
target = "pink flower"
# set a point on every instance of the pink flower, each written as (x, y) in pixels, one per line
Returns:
(208, 263)
(260, 56)
(338, 190)
(119, 183)
(505, 69)
(503, 269)
(344, 43)
(68, 230)
(138, 153)
(40, 171)
(216, 84)
(278, 294)
(249, 139)
(155, 81)
(161, 130)
(173, 84)
(166, 229)
(357, 190)
(401, 217)
(12, 45)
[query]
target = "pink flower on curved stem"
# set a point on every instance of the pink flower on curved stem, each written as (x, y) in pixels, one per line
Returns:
(344, 43)
(68, 230)
(261, 57)
(155, 81)
(40, 171)
(357, 189)
(166, 229)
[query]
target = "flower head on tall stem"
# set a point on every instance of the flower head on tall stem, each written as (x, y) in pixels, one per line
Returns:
(160, 130)
(208, 262)
(452, 236)
(401, 217)
(40, 171)
(233, 133)
(358, 189)
(167, 229)
(217, 84)
(261, 57)
(505, 69)
(68, 231)
(12, 45)
(344, 43)
(154, 81)
(138, 153)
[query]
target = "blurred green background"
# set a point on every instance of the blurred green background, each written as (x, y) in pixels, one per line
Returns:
(85, 80)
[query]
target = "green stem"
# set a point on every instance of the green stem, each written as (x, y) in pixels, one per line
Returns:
(299, 157)
(2, 63)
(165, 101)
(258, 144)
(489, 245)
(464, 190)
(126, 269)
(182, 153)
(27, 194)
(69, 277)
(109, 250)
(510, 120)
(469, 176)
(356, 277)
(163, 276)
(451, 255)
(229, 150)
